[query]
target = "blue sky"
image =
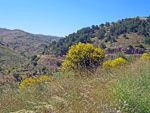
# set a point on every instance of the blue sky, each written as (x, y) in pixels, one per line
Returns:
(62, 17)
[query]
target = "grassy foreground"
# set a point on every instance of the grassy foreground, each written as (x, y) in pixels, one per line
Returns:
(124, 90)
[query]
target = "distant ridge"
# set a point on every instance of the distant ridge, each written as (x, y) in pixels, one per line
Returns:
(25, 43)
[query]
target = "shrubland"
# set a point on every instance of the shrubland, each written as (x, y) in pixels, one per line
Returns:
(108, 35)
(124, 87)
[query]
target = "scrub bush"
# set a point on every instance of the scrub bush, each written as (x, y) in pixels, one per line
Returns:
(83, 56)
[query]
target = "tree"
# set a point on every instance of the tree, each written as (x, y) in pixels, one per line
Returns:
(34, 60)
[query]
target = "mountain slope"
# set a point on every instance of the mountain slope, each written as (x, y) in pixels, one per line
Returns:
(109, 36)
(10, 60)
(25, 43)
(17, 47)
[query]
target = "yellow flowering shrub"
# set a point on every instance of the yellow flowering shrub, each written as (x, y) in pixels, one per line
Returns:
(114, 63)
(107, 64)
(145, 56)
(83, 56)
(34, 80)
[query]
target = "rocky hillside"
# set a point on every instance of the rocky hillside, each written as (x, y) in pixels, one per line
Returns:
(131, 35)
(25, 43)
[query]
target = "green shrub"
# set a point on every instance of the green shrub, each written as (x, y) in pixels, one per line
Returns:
(121, 54)
(34, 60)
(1, 69)
(147, 40)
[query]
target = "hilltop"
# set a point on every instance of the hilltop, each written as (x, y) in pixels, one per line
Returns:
(131, 35)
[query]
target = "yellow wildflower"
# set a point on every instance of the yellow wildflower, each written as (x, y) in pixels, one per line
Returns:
(114, 63)
(145, 56)
(34, 80)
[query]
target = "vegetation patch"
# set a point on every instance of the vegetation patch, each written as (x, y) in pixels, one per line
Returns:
(118, 62)
(34, 80)
(83, 57)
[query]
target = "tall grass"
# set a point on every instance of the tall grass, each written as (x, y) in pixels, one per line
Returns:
(124, 90)
(133, 89)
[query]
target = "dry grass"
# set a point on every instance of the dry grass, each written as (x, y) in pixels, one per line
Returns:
(99, 93)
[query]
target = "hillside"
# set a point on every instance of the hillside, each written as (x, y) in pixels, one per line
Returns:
(10, 60)
(25, 43)
(131, 35)
(17, 47)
